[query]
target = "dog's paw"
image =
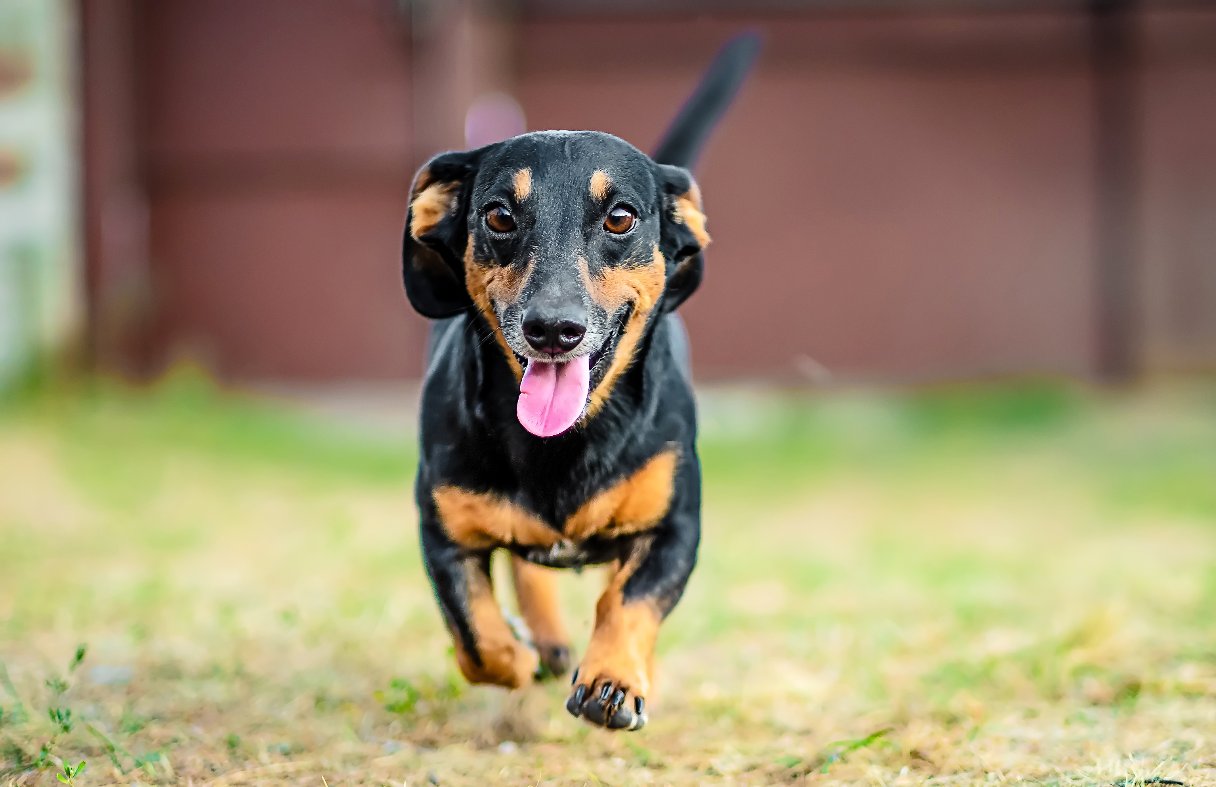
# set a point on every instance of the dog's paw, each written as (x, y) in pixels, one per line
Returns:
(505, 662)
(553, 657)
(606, 701)
(554, 660)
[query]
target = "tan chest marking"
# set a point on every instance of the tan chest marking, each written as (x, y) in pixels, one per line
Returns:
(631, 505)
(636, 503)
(478, 520)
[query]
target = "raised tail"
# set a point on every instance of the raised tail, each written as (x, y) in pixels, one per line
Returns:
(687, 134)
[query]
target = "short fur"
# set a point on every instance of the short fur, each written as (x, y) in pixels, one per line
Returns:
(622, 487)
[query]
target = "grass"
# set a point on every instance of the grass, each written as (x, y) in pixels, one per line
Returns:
(955, 586)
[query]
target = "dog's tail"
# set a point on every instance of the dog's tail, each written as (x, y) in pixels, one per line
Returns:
(687, 134)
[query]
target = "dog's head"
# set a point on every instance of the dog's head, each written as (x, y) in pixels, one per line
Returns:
(568, 244)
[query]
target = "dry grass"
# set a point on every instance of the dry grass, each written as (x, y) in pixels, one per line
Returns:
(977, 587)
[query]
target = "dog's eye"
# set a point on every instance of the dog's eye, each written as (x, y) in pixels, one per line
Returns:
(499, 219)
(620, 220)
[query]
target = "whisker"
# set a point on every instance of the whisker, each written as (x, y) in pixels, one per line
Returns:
(474, 328)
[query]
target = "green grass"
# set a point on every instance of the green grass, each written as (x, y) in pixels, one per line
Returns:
(964, 585)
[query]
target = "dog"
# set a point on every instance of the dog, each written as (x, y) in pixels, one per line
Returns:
(557, 416)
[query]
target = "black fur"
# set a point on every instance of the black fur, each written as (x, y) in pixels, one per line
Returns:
(687, 135)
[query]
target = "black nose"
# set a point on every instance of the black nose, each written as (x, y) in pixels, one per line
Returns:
(552, 334)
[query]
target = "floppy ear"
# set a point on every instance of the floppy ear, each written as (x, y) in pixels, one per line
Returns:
(436, 232)
(682, 232)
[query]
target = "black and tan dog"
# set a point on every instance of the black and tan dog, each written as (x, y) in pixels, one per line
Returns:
(558, 419)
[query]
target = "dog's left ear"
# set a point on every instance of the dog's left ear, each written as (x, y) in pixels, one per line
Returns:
(436, 233)
(683, 235)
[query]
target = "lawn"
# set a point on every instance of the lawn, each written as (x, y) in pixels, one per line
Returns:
(986, 585)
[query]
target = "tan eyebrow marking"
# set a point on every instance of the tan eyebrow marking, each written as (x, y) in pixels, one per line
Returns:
(599, 184)
(523, 184)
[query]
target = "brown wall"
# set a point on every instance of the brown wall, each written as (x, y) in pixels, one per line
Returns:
(277, 145)
(1179, 245)
(904, 197)
(894, 196)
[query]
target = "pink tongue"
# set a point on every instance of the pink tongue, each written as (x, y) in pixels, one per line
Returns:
(552, 395)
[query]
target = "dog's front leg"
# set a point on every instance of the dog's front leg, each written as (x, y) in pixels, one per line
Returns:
(487, 650)
(614, 678)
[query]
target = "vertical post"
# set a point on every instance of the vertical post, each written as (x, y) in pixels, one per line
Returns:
(461, 49)
(115, 221)
(1116, 141)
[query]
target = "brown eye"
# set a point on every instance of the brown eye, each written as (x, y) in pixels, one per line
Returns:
(620, 220)
(499, 219)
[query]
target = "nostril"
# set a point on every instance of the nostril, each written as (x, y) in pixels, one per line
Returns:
(569, 334)
(535, 331)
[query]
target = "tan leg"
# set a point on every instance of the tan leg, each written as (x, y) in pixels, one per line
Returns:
(501, 659)
(537, 592)
(613, 679)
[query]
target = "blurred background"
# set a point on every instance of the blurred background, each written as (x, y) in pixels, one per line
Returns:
(905, 191)
(955, 347)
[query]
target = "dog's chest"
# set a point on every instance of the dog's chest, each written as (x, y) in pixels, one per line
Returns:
(632, 504)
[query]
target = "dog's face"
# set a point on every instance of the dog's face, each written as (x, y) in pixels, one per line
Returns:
(568, 243)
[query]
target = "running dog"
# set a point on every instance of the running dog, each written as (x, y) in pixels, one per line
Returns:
(557, 417)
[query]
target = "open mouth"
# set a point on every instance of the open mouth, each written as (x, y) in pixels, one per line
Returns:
(601, 359)
(553, 394)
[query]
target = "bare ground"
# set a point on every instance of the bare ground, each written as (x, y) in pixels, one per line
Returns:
(954, 588)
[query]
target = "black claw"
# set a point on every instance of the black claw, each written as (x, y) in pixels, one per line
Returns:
(639, 706)
(606, 692)
(621, 720)
(618, 699)
(574, 677)
(575, 704)
(594, 712)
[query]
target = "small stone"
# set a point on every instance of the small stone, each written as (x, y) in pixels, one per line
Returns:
(110, 675)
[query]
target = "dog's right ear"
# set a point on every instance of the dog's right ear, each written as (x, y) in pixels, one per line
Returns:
(436, 232)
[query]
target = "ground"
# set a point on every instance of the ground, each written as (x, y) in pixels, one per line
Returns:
(994, 585)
